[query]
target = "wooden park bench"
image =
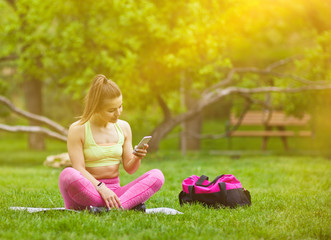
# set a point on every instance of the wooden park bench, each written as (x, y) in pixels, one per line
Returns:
(278, 120)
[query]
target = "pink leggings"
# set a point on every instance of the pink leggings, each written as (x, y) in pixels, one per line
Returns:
(79, 193)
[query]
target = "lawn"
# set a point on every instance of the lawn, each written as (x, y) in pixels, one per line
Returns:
(291, 199)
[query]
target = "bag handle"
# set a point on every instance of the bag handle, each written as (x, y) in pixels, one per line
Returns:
(204, 177)
(201, 180)
(191, 191)
(224, 196)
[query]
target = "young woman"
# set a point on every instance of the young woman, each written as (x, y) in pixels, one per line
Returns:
(97, 144)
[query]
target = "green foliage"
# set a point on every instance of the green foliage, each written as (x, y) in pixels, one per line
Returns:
(279, 32)
(3, 87)
(154, 48)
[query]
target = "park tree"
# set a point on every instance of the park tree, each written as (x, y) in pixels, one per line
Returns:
(181, 56)
(56, 45)
(25, 36)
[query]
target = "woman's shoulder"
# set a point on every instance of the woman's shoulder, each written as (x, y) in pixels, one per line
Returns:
(77, 127)
(124, 125)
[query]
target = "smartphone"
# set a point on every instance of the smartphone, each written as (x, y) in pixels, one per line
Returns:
(143, 141)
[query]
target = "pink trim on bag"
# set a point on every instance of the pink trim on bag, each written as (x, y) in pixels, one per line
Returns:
(231, 182)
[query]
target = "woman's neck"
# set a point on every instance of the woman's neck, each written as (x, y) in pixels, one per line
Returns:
(95, 120)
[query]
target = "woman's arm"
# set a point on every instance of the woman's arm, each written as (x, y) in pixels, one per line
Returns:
(75, 150)
(131, 160)
(75, 144)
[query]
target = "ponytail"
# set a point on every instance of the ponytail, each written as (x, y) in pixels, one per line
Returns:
(101, 89)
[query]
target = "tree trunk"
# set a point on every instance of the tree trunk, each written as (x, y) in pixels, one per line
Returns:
(33, 99)
(159, 133)
(192, 127)
(169, 123)
(192, 130)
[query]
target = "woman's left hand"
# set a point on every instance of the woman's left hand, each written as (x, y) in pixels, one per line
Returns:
(140, 153)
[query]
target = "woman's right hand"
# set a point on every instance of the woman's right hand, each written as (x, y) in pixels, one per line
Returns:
(110, 198)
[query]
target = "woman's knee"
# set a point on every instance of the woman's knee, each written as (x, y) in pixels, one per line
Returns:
(157, 173)
(68, 172)
(68, 175)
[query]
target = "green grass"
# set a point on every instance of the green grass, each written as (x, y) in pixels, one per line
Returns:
(291, 199)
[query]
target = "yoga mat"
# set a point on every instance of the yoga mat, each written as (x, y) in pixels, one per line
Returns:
(164, 210)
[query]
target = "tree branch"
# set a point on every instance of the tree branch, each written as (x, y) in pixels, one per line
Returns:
(165, 109)
(41, 119)
(33, 129)
(266, 71)
(220, 93)
(282, 75)
(8, 58)
(295, 77)
(281, 63)
(11, 3)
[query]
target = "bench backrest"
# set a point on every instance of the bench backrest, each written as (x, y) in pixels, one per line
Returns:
(278, 118)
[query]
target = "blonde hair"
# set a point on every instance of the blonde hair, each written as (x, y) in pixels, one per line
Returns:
(101, 89)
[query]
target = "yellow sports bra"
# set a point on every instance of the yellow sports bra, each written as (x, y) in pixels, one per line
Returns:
(98, 156)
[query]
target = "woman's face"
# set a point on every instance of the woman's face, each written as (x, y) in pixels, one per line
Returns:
(111, 110)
